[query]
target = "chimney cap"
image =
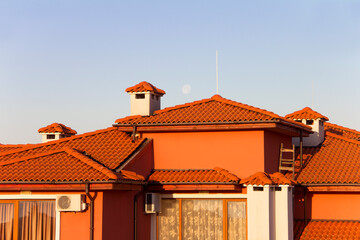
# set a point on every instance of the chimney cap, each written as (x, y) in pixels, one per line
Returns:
(145, 87)
(57, 128)
(306, 113)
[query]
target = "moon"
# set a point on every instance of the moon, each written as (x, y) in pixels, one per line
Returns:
(186, 89)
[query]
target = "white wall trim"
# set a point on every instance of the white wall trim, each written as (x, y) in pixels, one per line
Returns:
(204, 195)
(37, 197)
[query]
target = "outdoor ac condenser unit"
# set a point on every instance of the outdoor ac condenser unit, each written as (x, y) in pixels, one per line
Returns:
(152, 203)
(70, 203)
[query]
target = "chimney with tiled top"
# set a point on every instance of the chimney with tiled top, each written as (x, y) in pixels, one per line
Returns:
(144, 98)
(313, 119)
(55, 131)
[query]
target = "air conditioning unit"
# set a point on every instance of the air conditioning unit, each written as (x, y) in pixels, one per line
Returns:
(70, 203)
(152, 203)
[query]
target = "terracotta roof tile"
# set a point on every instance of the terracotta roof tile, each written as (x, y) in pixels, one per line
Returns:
(216, 175)
(215, 109)
(262, 179)
(336, 161)
(10, 147)
(110, 147)
(331, 230)
(145, 87)
(342, 131)
(306, 113)
(61, 165)
(57, 128)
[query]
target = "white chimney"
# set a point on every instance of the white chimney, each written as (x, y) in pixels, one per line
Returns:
(55, 131)
(313, 119)
(145, 98)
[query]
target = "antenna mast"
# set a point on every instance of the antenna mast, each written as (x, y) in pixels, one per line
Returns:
(217, 74)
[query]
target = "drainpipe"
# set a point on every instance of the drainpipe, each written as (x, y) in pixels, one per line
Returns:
(301, 149)
(305, 214)
(135, 212)
(87, 187)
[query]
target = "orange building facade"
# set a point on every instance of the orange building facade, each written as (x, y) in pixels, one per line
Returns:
(202, 170)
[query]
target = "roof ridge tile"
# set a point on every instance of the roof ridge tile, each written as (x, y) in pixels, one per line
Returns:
(90, 162)
(145, 87)
(57, 127)
(182, 105)
(227, 174)
(243, 105)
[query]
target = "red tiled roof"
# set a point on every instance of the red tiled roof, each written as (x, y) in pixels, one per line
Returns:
(215, 109)
(262, 178)
(145, 87)
(342, 131)
(331, 230)
(60, 165)
(57, 127)
(110, 147)
(216, 175)
(306, 113)
(9, 147)
(336, 161)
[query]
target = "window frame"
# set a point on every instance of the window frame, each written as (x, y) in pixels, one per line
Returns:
(29, 197)
(225, 214)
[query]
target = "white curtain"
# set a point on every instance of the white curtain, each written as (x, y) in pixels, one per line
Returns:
(168, 220)
(202, 219)
(6, 221)
(37, 220)
(236, 220)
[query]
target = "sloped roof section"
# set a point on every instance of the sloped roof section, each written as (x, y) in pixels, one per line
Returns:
(342, 131)
(145, 87)
(331, 230)
(57, 128)
(306, 113)
(61, 165)
(110, 147)
(10, 147)
(262, 179)
(178, 176)
(336, 161)
(211, 110)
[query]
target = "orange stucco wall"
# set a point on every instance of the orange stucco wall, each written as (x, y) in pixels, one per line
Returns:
(76, 225)
(144, 162)
(338, 206)
(332, 206)
(272, 142)
(240, 152)
(118, 216)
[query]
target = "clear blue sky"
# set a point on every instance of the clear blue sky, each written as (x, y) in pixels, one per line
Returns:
(70, 61)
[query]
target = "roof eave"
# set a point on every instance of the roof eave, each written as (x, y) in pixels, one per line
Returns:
(71, 186)
(205, 126)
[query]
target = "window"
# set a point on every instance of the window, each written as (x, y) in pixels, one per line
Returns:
(27, 219)
(202, 219)
(50, 136)
(309, 122)
(140, 96)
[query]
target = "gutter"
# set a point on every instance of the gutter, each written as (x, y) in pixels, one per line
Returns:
(331, 184)
(209, 123)
(71, 182)
(87, 187)
(135, 212)
(197, 183)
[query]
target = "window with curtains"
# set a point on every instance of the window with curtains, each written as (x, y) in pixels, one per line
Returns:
(27, 220)
(191, 219)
